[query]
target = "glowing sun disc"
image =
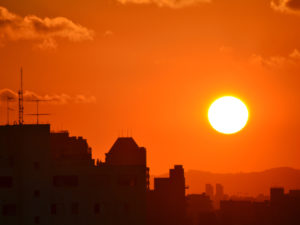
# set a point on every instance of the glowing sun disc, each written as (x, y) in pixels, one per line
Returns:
(228, 115)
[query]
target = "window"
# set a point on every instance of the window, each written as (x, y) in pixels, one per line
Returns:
(53, 209)
(75, 209)
(11, 161)
(36, 193)
(97, 208)
(9, 210)
(126, 208)
(127, 181)
(65, 181)
(37, 220)
(36, 165)
(6, 182)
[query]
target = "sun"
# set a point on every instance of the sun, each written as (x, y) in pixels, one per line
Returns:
(228, 115)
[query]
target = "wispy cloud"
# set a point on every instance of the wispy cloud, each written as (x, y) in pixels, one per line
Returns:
(226, 49)
(166, 3)
(286, 6)
(279, 62)
(56, 98)
(8, 94)
(108, 33)
(44, 31)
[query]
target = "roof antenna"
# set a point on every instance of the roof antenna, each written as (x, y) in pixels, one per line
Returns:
(21, 101)
(37, 114)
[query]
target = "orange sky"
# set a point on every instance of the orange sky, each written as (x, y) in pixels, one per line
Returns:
(154, 68)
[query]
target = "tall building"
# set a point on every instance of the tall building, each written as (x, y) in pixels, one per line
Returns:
(199, 209)
(167, 203)
(219, 196)
(276, 195)
(209, 191)
(50, 178)
(219, 192)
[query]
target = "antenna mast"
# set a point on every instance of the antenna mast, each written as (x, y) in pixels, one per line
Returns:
(21, 101)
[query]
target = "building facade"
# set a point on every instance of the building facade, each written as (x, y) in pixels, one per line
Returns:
(51, 178)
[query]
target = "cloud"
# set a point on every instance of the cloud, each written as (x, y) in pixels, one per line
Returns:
(47, 44)
(295, 55)
(226, 49)
(166, 3)
(108, 33)
(56, 99)
(84, 99)
(286, 6)
(8, 94)
(44, 31)
(279, 62)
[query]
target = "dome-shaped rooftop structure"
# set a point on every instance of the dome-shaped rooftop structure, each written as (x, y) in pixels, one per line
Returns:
(125, 151)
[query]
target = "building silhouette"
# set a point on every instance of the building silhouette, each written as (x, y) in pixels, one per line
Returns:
(199, 209)
(209, 191)
(166, 203)
(282, 209)
(219, 191)
(51, 178)
(219, 196)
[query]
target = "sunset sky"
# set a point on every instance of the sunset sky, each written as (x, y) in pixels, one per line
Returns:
(151, 68)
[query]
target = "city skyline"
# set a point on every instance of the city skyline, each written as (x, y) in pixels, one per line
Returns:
(49, 177)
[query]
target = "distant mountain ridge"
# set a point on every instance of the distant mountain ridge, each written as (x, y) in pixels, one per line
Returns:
(245, 184)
